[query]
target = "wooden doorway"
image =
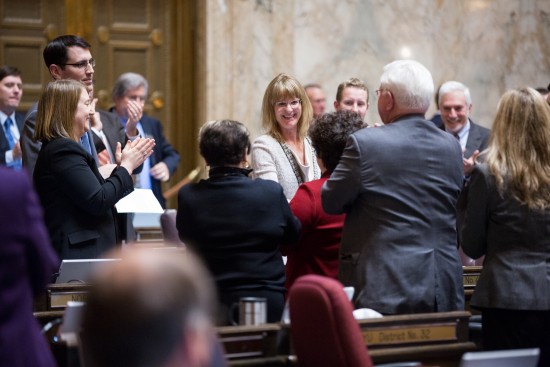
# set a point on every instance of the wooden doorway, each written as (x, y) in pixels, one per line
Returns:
(155, 38)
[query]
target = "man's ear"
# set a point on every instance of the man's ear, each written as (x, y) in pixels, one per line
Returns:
(197, 346)
(336, 104)
(55, 71)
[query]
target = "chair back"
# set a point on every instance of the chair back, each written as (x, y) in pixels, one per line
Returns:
(169, 229)
(468, 261)
(323, 329)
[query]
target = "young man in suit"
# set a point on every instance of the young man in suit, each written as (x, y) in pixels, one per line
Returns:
(129, 94)
(11, 91)
(352, 95)
(455, 106)
(399, 185)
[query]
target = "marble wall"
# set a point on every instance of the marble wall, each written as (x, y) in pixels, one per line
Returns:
(489, 45)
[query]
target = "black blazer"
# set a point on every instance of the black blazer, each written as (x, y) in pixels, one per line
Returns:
(4, 145)
(478, 139)
(78, 203)
(30, 148)
(236, 225)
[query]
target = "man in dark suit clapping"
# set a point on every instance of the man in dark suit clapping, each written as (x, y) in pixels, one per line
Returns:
(455, 106)
(11, 91)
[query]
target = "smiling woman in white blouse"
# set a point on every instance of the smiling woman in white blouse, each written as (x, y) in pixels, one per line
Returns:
(285, 154)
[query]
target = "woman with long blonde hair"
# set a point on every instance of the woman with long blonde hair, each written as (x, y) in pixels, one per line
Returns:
(507, 219)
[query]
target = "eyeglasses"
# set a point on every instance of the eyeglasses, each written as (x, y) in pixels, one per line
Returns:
(293, 104)
(83, 64)
(380, 91)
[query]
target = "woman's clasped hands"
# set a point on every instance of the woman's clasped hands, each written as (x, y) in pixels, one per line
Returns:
(134, 153)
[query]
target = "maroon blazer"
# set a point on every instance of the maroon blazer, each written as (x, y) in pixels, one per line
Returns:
(27, 262)
(317, 250)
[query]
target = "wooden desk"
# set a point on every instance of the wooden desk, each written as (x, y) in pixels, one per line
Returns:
(432, 338)
(470, 277)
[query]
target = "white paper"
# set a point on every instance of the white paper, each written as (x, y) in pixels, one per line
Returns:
(139, 201)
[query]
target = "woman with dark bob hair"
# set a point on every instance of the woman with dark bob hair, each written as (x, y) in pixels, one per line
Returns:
(319, 244)
(508, 220)
(237, 224)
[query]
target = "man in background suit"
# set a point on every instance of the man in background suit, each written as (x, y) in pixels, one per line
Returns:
(317, 98)
(399, 185)
(129, 94)
(11, 91)
(455, 106)
(27, 262)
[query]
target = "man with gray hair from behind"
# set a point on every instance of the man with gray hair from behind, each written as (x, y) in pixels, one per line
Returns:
(399, 185)
(152, 308)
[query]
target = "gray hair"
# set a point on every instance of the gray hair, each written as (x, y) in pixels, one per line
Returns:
(452, 86)
(126, 82)
(410, 82)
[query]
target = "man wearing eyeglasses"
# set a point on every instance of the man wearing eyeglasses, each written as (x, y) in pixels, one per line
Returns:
(69, 57)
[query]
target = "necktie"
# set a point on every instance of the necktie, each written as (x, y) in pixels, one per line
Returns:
(9, 136)
(86, 143)
(145, 175)
(16, 164)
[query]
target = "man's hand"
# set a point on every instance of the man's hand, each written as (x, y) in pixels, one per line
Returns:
(160, 172)
(135, 112)
(469, 163)
(16, 151)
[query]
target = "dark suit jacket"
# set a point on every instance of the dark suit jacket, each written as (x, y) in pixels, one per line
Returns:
(399, 185)
(478, 136)
(163, 152)
(27, 262)
(478, 139)
(4, 145)
(113, 130)
(515, 242)
(78, 202)
(30, 148)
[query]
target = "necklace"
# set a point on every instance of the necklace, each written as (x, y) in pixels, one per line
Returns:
(294, 163)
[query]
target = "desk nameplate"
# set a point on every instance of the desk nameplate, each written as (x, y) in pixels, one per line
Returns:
(410, 334)
(471, 276)
(470, 280)
(60, 299)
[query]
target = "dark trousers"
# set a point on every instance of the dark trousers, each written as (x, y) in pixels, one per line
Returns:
(517, 329)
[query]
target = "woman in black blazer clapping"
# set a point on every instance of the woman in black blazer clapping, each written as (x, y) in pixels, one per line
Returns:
(79, 204)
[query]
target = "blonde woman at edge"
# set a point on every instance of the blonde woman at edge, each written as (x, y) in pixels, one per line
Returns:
(285, 154)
